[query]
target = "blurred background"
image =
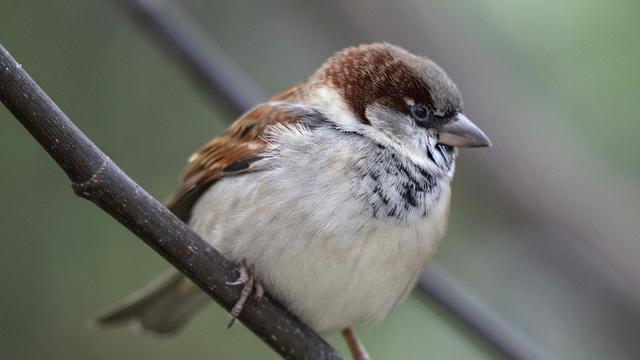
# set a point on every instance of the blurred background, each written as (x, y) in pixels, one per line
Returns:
(544, 226)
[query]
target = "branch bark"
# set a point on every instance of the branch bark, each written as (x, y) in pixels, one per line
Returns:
(98, 179)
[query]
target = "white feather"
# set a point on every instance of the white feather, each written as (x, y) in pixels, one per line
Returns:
(305, 225)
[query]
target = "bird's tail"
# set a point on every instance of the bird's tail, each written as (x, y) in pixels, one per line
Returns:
(162, 307)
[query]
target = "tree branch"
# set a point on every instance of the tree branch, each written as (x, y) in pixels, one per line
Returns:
(96, 178)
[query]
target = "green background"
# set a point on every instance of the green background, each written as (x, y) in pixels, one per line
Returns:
(575, 62)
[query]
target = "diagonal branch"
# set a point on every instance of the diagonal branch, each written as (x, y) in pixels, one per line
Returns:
(96, 178)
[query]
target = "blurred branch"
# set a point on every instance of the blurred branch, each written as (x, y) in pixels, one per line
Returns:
(172, 28)
(165, 21)
(454, 298)
(96, 178)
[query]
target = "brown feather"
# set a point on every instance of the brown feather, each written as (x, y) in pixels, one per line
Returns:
(233, 151)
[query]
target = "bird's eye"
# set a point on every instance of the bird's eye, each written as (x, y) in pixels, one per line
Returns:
(419, 112)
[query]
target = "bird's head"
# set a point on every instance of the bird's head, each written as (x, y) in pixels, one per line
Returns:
(383, 91)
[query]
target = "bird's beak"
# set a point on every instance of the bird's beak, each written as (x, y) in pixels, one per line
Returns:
(461, 132)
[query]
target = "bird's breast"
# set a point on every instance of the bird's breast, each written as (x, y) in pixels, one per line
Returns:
(336, 231)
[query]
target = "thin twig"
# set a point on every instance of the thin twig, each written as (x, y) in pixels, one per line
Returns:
(165, 20)
(95, 177)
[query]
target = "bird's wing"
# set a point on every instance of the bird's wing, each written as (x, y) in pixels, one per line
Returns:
(234, 152)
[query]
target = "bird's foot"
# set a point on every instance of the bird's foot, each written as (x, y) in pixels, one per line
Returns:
(249, 283)
(358, 352)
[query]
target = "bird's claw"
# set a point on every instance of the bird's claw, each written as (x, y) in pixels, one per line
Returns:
(247, 279)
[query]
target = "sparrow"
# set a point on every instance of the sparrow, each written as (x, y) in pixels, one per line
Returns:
(333, 195)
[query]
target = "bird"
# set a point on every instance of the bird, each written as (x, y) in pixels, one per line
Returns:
(332, 195)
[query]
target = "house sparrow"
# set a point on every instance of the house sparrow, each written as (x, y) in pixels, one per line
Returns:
(333, 194)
